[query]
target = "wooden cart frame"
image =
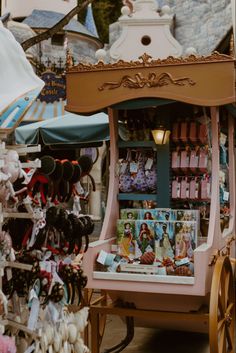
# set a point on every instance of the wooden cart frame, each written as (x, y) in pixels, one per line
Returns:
(204, 81)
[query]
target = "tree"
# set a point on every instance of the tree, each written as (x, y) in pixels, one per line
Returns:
(105, 12)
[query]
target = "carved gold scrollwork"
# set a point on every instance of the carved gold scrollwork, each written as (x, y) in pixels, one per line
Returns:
(147, 61)
(152, 80)
(225, 251)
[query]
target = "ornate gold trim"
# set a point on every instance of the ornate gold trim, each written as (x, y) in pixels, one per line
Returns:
(152, 80)
(224, 251)
(146, 61)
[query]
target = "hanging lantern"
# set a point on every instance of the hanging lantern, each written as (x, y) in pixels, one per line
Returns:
(161, 135)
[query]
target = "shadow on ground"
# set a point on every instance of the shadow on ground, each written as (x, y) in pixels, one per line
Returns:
(149, 340)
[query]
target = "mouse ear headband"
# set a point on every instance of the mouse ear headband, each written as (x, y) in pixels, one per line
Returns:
(86, 164)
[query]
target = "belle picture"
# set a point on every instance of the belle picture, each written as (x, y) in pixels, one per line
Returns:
(126, 237)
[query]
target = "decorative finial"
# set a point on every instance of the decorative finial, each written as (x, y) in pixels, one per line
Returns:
(69, 59)
(125, 11)
(128, 3)
(100, 55)
(190, 51)
(166, 11)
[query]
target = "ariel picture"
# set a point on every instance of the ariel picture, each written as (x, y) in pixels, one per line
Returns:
(145, 235)
(126, 237)
(148, 214)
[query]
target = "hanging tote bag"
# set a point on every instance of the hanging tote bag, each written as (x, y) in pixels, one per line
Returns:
(139, 181)
(151, 173)
(125, 178)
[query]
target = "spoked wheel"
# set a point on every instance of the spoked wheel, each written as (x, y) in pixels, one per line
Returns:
(222, 308)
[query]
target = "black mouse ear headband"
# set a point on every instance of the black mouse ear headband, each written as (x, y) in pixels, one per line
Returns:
(86, 164)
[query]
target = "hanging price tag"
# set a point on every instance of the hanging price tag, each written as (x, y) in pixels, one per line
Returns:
(149, 163)
(226, 196)
(123, 167)
(133, 167)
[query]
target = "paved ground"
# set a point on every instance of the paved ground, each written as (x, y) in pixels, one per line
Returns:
(148, 340)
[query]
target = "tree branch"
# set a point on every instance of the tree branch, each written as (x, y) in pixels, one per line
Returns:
(56, 28)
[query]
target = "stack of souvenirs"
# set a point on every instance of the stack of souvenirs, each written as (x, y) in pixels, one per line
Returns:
(162, 238)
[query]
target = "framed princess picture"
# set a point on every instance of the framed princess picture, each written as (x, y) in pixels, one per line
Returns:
(163, 214)
(126, 237)
(130, 213)
(185, 215)
(148, 214)
(185, 239)
(145, 235)
(164, 241)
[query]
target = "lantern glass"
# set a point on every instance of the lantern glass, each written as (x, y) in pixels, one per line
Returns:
(160, 135)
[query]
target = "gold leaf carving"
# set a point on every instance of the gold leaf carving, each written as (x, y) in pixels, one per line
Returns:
(147, 61)
(152, 80)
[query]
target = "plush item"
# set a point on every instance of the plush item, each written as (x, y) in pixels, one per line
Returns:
(7, 345)
(147, 258)
(183, 271)
(5, 244)
(81, 318)
(12, 165)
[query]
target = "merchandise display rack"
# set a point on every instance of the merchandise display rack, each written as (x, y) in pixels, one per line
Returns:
(30, 214)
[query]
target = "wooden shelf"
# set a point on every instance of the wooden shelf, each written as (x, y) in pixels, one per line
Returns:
(136, 197)
(127, 144)
(143, 278)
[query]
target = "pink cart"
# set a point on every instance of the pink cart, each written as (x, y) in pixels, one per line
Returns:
(204, 302)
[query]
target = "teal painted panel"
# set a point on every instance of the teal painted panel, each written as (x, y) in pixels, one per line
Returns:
(127, 144)
(163, 176)
(142, 103)
(137, 197)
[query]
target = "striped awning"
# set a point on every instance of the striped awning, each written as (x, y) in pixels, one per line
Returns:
(43, 111)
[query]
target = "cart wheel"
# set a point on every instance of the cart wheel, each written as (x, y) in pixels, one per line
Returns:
(222, 308)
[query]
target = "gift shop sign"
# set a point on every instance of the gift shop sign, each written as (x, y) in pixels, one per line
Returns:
(54, 89)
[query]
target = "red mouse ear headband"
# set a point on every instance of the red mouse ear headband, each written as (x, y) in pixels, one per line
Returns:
(37, 184)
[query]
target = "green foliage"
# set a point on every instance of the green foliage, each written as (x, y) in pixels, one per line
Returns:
(105, 12)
